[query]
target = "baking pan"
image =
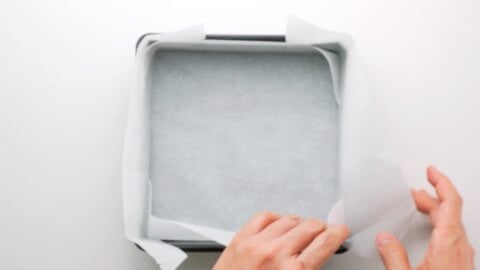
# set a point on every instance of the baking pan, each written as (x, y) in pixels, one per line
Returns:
(187, 100)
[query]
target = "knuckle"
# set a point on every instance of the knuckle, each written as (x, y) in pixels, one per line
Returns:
(293, 218)
(289, 220)
(269, 252)
(265, 215)
(315, 224)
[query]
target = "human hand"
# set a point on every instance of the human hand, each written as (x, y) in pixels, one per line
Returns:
(271, 241)
(449, 247)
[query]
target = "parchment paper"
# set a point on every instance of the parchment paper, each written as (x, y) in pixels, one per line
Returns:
(373, 195)
(234, 133)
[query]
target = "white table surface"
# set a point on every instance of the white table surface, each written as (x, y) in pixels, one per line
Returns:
(66, 68)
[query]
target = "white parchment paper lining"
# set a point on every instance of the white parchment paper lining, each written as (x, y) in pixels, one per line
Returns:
(374, 195)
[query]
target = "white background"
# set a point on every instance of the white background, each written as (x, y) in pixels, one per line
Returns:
(66, 68)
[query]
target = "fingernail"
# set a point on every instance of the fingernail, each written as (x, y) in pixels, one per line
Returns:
(384, 238)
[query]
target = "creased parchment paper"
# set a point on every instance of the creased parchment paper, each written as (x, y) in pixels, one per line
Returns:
(371, 192)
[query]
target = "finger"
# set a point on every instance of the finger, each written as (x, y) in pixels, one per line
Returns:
(279, 227)
(425, 202)
(392, 252)
(258, 223)
(324, 246)
(444, 188)
(298, 238)
(447, 194)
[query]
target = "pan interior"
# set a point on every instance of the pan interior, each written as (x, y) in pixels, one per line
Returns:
(237, 132)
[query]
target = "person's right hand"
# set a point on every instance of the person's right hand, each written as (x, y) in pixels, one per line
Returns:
(449, 248)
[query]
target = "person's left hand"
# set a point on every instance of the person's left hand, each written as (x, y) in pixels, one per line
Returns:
(271, 241)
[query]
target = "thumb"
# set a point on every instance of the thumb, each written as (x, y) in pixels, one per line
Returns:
(394, 255)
